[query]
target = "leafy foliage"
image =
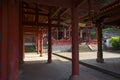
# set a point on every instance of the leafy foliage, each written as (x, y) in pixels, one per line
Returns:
(30, 49)
(92, 33)
(115, 41)
(105, 2)
(110, 30)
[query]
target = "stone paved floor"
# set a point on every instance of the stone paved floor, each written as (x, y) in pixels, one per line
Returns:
(35, 68)
(111, 60)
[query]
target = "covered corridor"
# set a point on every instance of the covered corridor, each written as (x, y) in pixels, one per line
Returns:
(36, 68)
(37, 17)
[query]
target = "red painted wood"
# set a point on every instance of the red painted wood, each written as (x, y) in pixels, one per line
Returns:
(88, 35)
(0, 29)
(75, 46)
(36, 39)
(38, 42)
(21, 45)
(110, 5)
(59, 3)
(99, 52)
(49, 41)
(3, 53)
(29, 29)
(13, 41)
(21, 40)
(41, 44)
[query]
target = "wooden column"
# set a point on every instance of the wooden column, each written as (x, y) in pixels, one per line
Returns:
(75, 43)
(21, 44)
(13, 40)
(99, 52)
(0, 37)
(37, 36)
(41, 44)
(49, 42)
(36, 40)
(21, 36)
(96, 29)
(3, 39)
(88, 35)
(38, 43)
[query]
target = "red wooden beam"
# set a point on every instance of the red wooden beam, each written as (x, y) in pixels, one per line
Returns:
(34, 29)
(58, 3)
(110, 5)
(29, 29)
(33, 13)
(39, 24)
(55, 12)
(29, 7)
(84, 17)
(65, 11)
(112, 19)
(78, 3)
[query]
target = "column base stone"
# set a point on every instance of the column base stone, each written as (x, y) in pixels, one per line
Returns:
(100, 60)
(75, 77)
(40, 55)
(49, 61)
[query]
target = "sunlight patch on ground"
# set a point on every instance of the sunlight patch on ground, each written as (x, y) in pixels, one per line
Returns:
(34, 57)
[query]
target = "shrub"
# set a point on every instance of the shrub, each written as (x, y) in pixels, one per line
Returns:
(30, 49)
(93, 34)
(115, 41)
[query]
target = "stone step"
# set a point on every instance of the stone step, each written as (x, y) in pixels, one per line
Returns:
(84, 48)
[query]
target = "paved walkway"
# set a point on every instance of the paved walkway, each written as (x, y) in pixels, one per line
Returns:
(35, 68)
(111, 60)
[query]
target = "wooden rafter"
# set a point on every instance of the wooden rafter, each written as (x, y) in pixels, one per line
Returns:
(79, 2)
(113, 20)
(84, 17)
(32, 29)
(53, 14)
(110, 12)
(85, 9)
(39, 24)
(65, 11)
(33, 13)
(58, 3)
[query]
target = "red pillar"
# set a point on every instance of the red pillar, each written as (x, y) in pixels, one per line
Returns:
(3, 40)
(21, 40)
(88, 35)
(100, 52)
(36, 39)
(38, 43)
(75, 43)
(0, 26)
(0, 35)
(41, 44)
(13, 40)
(49, 42)
(21, 45)
(96, 36)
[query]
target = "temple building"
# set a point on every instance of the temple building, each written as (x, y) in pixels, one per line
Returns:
(62, 22)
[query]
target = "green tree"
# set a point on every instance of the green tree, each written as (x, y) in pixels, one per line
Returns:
(110, 30)
(115, 41)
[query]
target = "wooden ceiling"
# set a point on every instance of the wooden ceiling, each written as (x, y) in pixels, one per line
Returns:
(36, 12)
